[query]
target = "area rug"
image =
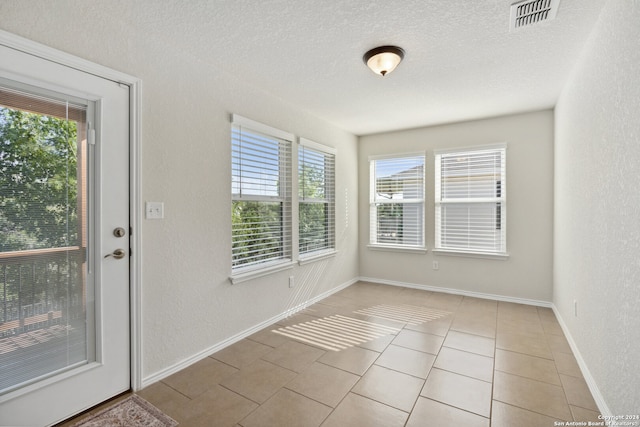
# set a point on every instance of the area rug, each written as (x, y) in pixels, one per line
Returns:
(133, 411)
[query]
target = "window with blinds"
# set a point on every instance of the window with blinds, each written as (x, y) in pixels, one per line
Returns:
(470, 190)
(397, 201)
(316, 197)
(261, 194)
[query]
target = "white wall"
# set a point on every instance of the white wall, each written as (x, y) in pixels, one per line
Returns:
(527, 274)
(597, 206)
(188, 302)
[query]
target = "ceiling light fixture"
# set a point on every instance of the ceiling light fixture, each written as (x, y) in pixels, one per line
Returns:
(384, 59)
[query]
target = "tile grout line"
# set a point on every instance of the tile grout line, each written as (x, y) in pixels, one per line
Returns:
(531, 379)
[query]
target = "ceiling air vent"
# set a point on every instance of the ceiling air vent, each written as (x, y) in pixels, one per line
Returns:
(530, 12)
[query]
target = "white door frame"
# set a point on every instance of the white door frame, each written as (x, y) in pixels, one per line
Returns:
(21, 44)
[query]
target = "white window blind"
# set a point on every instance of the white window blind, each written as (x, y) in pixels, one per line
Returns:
(261, 194)
(316, 197)
(397, 201)
(470, 190)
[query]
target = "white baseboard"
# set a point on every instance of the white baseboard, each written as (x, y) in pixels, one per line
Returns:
(537, 303)
(591, 382)
(164, 373)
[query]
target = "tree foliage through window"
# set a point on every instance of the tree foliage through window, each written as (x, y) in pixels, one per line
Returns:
(316, 201)
(38, 181)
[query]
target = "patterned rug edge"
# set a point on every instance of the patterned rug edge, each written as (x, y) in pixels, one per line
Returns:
(163, 420)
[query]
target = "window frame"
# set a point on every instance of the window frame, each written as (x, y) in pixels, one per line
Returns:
(374, 201)
(500, 198)
(240, 272)
(329, 155)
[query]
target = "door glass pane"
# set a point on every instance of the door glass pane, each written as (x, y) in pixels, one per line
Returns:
(44, 298)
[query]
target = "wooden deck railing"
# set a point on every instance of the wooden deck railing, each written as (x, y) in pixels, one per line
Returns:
(40, 288)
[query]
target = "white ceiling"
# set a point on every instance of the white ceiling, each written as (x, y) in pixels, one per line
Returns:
(461, 60)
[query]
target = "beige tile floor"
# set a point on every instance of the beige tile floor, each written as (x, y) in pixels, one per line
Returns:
(474, 362)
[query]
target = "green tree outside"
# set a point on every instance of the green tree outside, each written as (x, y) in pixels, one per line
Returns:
(255, 231)
(257, 226)
(313, 209)
(38, 181)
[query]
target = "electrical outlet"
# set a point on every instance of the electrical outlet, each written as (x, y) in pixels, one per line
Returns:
(436, 265)
(291, 282)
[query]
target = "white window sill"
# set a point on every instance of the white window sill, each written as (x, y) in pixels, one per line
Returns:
(263, 270)
(317, 256)
(396, 248)
(485, 255)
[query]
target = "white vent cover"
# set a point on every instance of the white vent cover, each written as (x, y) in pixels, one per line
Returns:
(530, 12)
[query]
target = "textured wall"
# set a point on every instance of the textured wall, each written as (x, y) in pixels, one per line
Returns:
(187, 301)
(527, 273)
(597, 206)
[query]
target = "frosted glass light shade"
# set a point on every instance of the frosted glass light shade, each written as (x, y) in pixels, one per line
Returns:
(384, 59)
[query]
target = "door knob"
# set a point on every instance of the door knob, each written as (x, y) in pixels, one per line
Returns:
(117, 254)
(119, 232)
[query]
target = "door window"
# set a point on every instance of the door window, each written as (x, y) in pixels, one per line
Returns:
(44, 297)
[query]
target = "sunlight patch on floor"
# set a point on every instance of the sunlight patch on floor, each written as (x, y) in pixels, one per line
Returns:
(411, 314)
(336, 332)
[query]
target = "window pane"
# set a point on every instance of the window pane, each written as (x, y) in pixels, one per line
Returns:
(314, 227)
(473, 226)
(471, 175)
(258, 163)
(399, 179)
(312, 169)
(316, 199)
(399, 223)
(470, 210)
(261, 194)
(257, 232)
(397, 202)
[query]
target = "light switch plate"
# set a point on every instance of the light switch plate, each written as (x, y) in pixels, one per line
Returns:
(154, 210)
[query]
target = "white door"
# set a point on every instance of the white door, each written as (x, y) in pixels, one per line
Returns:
(64, 247)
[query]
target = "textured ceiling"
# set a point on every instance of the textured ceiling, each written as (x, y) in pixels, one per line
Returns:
(461, 60)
